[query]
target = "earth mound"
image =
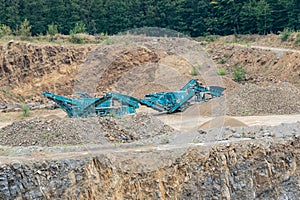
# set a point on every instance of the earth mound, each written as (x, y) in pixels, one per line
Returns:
(222, 121)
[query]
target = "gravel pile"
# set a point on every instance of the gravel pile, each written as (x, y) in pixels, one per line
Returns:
(286, 131)
(43, 132)
(133, 127)
(251, 99)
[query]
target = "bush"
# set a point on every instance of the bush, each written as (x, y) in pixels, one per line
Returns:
(77, 40)
(24, 31)
(5, 30)
(52, 29)
(78, 28)
(297, 40)
(239, 73)
(221, 72)
(285, 34)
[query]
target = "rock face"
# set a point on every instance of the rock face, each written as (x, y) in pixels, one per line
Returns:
(27, 69)
(243, 170)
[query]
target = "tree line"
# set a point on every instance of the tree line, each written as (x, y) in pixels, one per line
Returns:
(191, 17)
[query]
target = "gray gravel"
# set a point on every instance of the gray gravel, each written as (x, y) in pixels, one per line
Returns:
(94, 130)
(251, 99)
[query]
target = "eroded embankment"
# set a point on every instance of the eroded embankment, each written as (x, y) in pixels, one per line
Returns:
(243, 170)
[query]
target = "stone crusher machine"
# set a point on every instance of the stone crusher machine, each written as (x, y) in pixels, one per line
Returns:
(111, 104)
(115, 104)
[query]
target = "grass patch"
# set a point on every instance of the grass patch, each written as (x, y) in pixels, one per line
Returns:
(108, 41)
(239, 73)
(221, 72)
(25, 111)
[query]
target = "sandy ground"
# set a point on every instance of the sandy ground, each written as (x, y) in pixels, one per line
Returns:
(186, 123)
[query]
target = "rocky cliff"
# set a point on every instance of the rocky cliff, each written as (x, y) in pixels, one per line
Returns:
(238, 170)
(26, 69)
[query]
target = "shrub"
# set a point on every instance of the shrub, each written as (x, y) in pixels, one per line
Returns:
(77, 40)
(25, 30)
(285, 34)
(221, 72)
(239, 73)
(52, 30)
(78, 28)
(297, 40)
(5, 30)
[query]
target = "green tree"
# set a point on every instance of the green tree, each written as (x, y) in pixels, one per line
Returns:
(36, 12)
(25, 29)
(263, 17)
(10, 13)
(78, 28)
(279, 15)
(98, 16)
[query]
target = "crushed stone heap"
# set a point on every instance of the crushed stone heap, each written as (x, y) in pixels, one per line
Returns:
(94, 130)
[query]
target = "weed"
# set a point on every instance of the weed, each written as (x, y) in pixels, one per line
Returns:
(285, 34)
(194, 72)
(221, 72)
(21, 99)
(164, 141)
(25, 111)
(223, 61)
(245, 112)
(46, 137)
(239, 73)
(57, 134)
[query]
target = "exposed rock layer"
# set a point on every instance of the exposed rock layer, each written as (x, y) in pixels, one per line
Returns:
(265, 170)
